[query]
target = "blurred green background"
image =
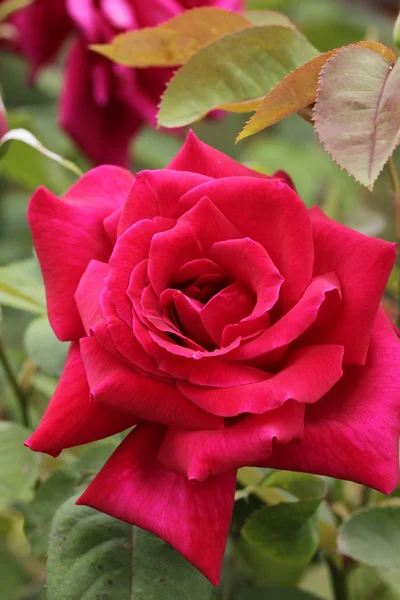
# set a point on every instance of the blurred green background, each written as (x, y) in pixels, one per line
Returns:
(290, 145)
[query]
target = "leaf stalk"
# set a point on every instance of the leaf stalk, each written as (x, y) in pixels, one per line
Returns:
(13, 381)
(395, 183)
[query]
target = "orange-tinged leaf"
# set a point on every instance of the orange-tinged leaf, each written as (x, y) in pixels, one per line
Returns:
(357, 111)
(298, 90)
(172, 43)
(237, 69)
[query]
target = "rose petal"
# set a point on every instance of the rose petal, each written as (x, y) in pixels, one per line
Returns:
(292, 325)
(192, 517)
(64, 250)
(131, 248)
(363, 266)
(306, 376)
(87, 295)
(70, 418)
(42, 29)
(270, 213)
(190, 239)
(197, 157)
(231, 305)
(156, 194)
(353, 432)
(116, 385)
(198, 454)
(103, 130)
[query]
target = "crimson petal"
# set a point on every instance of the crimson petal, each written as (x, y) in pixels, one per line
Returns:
(116, 385)
(198, 454)
(193, 517)
(71, 419)
(75, 237)
(363, 266)
(306, 376)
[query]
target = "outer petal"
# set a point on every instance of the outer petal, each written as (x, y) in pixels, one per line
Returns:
(192, 517)
(116, 385)
(105, 187)
(353, 432)
(71, 419)
(309, 373)
(363, 266)
(198, 454)
(101, 127)
(66, 235)
(197, 157)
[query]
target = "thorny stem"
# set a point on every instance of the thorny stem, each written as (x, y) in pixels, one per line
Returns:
(13, 381)
(395, 182)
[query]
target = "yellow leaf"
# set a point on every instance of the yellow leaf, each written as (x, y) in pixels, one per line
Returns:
(172, 43)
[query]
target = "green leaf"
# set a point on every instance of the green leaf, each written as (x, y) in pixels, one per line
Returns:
(46, 384)
(238, 68)
(92, 555)
(21, 286)
(372, 536)
(369, 583)
(154, 149)
(280, 540)
(10, 6)
(39, 513)
(19, 467)
(12, 575)
(94, 457)
(173, 42)
(268, 17)
(297, 90)
(274, 593)
(356, 114)
(305, 487)
(43, 348)
(22, 135)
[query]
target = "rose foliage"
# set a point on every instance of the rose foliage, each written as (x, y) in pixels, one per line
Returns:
(208, 307)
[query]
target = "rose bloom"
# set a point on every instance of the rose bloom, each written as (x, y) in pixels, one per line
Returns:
(102, 104)
(207, 306)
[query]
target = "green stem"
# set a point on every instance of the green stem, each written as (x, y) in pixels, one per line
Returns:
(395, 183)
(365, 496)
(338, 581)
(13, 381)
(230, 571)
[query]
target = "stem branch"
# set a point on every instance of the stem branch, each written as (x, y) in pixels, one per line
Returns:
(13, 381)
(230, 571)
(338, 581)
(395, 183)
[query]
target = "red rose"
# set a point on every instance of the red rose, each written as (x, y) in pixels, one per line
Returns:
(102, 104)
(206, 304)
